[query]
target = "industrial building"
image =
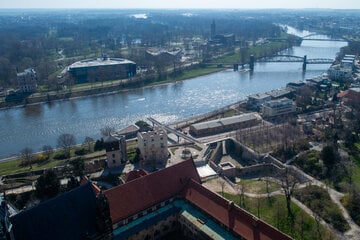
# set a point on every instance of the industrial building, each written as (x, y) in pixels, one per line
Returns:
(225, 124)
(101, 69)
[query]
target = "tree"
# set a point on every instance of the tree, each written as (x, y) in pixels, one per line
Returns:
(78, 167)
(47, 185)
(107, 130)
(288, 183)
(65, 141)
(26, 156)
(48, 150)
(89, 141)
(329, 158)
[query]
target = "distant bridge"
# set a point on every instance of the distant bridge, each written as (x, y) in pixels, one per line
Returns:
(291, 58)
(319, 37)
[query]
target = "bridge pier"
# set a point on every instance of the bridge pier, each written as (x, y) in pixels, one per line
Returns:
(236, 67)
(252, 63)
(304, 63)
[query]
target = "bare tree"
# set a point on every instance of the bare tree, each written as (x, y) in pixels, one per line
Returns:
(66, 141)
(27, 156)
(267, 182)
(242, 194)
(48, 150)
(258, 205)
(222, 185)
(288, 183)
(107, 130)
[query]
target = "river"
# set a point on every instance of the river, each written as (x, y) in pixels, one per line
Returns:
(38, 125)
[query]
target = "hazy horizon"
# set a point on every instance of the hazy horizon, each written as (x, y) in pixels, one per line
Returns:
(185, 4)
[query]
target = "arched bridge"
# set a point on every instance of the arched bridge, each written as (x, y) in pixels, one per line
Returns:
(290, 58)
(319, 37)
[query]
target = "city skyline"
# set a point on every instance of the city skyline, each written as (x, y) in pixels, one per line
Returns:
(186, 4)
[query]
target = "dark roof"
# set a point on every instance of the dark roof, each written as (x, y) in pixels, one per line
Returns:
(128, 129)
(144, 192)
(71, 215)
(232, 216)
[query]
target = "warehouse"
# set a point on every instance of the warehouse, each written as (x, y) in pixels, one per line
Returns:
(225, 124)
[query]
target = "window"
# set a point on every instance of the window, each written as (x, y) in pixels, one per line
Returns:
(114, 161)
(113, 155)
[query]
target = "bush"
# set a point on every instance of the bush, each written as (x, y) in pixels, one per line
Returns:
(319, 201)
(81, 151)
(99, 145)
(60, 156)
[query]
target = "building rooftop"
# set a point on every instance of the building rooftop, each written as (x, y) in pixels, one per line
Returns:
(208, 210)
(95, 62)
(71, 215)
(259, 96)
(230, 215)
(355, 90)
(144, 192)
(226, 121)
(26, 71)
(278, 92)
(128, 129)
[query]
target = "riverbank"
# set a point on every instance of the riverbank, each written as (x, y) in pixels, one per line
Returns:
(109, 87)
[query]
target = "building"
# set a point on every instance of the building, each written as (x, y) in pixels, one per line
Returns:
(254, 101)
(343, 70)
(278, 107)
(172, 200)
(77, 214)
(129, 132)
(27, 81)
(153, 147)
(295, 85)
(280, 93)
(115, 147)
(225, 124)
(101, 69)
(213, 30)
(337, 73)
(163, 55)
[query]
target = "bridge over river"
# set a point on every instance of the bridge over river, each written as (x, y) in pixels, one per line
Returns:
(291, 58)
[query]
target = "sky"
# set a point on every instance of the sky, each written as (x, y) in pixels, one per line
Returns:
(185, 4)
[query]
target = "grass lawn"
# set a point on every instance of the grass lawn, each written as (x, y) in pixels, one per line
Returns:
(12, 167)
(259, 186)
(273, 211)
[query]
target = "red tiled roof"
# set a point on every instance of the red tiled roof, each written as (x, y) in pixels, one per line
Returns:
(135, 174)
(232, 216)
(85, 179)
(139, 194)
(342, 94)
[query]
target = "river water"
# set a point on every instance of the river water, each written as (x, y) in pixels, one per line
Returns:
(38, 125)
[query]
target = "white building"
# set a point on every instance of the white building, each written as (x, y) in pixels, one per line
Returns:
(254, 101)
(278, 107)
(27, 81)
(153, 146)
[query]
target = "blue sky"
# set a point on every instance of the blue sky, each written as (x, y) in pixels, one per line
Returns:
(246, 4)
